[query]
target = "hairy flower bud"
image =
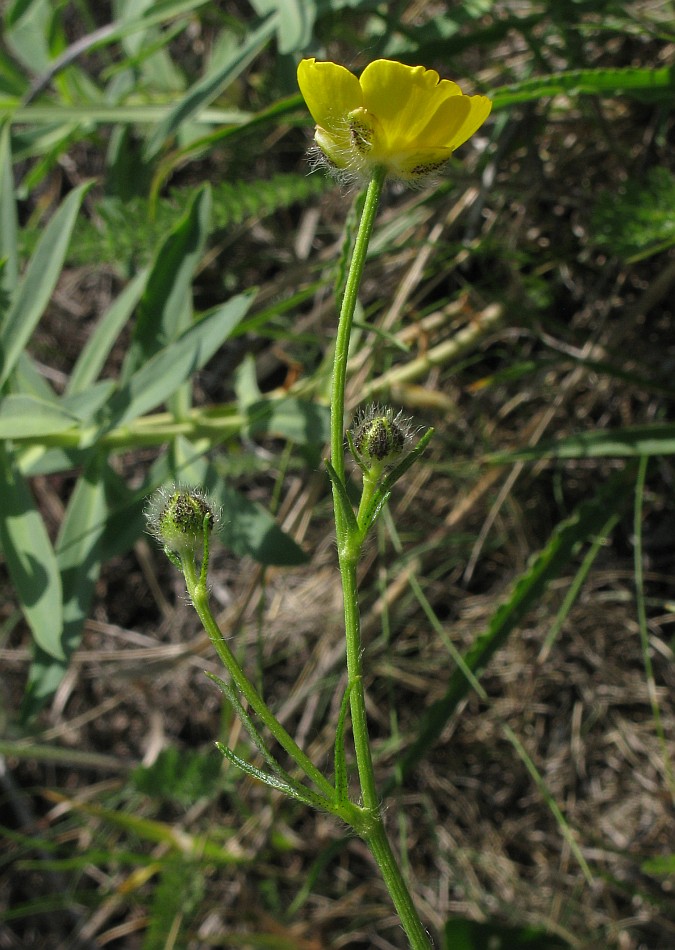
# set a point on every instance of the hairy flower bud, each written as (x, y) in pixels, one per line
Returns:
(378, 437)
(177, 517)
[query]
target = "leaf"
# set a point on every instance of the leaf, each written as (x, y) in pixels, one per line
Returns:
(78, 557)
(343, 505)
(248, 529)
(210, 86)
(8, 220)
(25, 417)
(340, 759)
(165, 309)
(584, 523)
(298, 420)
(159, 832)
(160, 376)
(298, 792)
(631, 442)
(91, 360)
(36, 287)
(178, 775)
(639, 82)
(30, 558)
(296, 22)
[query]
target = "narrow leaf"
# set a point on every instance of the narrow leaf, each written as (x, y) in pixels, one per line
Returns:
(36, 287)
(342, 497)
(636, 81)
(8, 219)
(165, 309)
(210, 86)
(24, 417)
(631, 442)
(157, 379)
(298, 792)
(91, 360)
(30, 558)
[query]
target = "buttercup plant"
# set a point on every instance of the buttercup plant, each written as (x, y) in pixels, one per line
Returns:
(401, 122)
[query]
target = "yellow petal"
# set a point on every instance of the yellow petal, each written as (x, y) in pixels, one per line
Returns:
(404, 98)
(418, 163)
(481, 107)
(331, 93)
(444, 125)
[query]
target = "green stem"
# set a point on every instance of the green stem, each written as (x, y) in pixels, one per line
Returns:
(349, 543)
(198, 591)
(380, 848)
(358, 261)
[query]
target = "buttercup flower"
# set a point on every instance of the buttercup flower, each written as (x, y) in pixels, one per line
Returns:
(404, 118)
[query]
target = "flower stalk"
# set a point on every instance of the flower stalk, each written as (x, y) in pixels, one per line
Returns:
(350, 537)
(396, 121)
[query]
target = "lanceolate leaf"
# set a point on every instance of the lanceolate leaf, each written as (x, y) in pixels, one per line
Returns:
(97, 349)
(30, 558)
(631, 442)
(8, 222)
(208, 88)
(35, 289)
(78, 556)
(165, 309)
(157, 379)
(659, 83)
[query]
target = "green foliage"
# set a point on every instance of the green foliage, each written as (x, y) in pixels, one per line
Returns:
(126, 231)
(179, 776)
(178, 894)
(160, 160)
(639, 220)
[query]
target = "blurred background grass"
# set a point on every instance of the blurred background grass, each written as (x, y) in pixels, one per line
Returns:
(522, 305)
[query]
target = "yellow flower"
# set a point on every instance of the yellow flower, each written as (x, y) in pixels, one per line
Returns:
(404, 118)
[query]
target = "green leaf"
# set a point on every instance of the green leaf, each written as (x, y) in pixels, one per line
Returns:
(298, 420)
(296, 22)
(342, 499)
(298, 792)
(248, 529)
(636, 81)
(155, 381)
(565, 541)
(78, 549)
(180, 775)
(28, 417)
(165, 309)
(30, 558)
(340, 759)
(631, 442)
(210, 86)
(91, 360)
(78, 556)
(8, 220)
(36, 287)
(28, 33)
(175, 901)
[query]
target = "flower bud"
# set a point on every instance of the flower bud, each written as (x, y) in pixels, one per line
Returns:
(378, 437)
(177, 517)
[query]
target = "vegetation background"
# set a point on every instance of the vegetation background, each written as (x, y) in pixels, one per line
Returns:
(167, 311)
